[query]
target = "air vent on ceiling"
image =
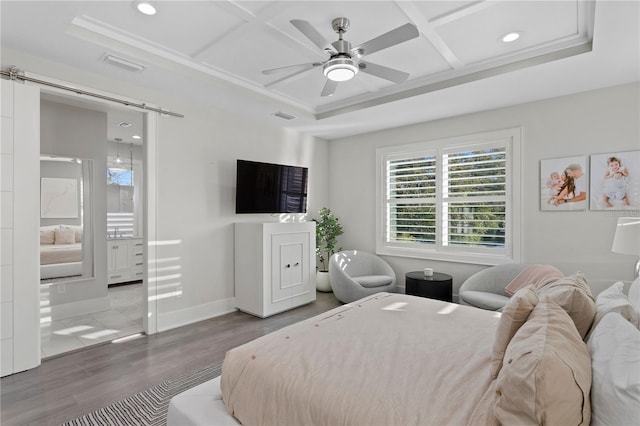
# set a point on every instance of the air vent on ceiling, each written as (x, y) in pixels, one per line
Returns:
(123, 63)
(284, 115)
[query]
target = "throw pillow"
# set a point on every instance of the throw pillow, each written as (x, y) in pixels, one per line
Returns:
(615, 392)
(65, 236)
(47, 236)
(614, 300)
(546, 377)
(77, 230)
(514, 314)
(574, 295)
(539, 275)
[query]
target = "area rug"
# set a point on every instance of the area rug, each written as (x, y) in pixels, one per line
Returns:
(147, 408)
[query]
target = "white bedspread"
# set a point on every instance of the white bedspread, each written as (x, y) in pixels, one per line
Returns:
(387, 359)
(60, 253)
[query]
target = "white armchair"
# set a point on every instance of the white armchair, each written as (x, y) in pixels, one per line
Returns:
(485, 289)
(355, 274)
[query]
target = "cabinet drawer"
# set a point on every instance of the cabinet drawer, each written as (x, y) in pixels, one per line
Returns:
(138, 274)
(117, 277)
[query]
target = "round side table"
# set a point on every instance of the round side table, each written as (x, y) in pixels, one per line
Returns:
(439, 286)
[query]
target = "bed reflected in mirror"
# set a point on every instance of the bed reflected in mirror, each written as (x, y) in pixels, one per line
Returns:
(66, 230)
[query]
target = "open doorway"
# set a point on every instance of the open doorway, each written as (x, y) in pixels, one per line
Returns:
(92, 167)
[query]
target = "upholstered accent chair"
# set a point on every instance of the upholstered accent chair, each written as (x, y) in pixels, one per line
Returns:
(485, 289)
(355, 274)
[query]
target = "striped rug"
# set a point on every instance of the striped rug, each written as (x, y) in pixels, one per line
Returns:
(148, 407)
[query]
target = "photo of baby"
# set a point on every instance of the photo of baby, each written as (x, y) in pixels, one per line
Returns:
(563, 184)
(615, 183)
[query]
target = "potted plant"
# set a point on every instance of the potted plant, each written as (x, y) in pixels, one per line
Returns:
(328, 229)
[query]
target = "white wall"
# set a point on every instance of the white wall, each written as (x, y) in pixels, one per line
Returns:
(196, 182)
(595, 122)
(197, 165)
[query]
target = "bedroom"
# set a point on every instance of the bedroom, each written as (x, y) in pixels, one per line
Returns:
(196, 158)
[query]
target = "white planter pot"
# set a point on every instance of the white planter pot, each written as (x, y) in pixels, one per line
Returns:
(322, 281)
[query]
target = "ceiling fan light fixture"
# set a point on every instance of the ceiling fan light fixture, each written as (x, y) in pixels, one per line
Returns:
(340, 69)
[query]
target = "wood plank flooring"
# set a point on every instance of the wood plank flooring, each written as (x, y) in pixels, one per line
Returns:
(64, 388)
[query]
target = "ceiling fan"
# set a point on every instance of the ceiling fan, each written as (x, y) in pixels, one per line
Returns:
(344, 61)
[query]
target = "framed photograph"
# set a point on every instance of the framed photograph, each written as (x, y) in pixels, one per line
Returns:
(615, 181)
(58, 198)
(564, 184)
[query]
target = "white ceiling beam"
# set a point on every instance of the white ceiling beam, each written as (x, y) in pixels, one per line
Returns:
(429, 31)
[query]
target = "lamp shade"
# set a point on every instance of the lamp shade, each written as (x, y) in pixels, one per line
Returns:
(627, 237)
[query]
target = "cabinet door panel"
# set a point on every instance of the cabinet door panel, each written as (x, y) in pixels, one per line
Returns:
(290, 270)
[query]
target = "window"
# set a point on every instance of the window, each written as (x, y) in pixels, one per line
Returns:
(455, 199)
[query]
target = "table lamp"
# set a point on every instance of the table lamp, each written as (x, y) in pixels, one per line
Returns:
(627, 238)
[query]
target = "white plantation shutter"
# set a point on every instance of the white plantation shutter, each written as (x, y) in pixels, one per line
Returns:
(451, 201)
(412, 194)
(474, 195)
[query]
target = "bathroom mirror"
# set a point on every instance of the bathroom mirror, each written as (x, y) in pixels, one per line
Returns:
(66, 227)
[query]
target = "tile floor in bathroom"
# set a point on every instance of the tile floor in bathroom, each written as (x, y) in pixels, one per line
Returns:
(69, 334)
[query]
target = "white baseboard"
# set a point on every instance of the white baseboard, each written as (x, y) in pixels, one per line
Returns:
(82, 307)
(170, 320)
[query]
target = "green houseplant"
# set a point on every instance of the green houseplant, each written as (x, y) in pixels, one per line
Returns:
(328, 229)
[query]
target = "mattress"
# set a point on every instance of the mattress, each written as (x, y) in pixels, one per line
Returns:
(386, 359)
(60, 253)
(200, 405)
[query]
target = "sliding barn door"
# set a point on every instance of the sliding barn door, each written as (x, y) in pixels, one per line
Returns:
(19, 225)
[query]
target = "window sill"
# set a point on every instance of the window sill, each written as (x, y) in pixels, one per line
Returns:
(448, 256)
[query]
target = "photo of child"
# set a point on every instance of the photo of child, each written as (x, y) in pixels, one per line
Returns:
(563, 184)
(615, 183)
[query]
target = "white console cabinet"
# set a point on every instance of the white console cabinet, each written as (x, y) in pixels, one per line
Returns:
(125, 260)
(275, 266)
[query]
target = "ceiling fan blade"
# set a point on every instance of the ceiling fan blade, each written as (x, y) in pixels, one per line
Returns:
(329, 88)
(393, 37)
(384, 72)
(299, 71)
(311, 33)
(298, 67)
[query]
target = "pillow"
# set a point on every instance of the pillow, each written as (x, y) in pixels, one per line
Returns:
(65, 236)
(614, 300)
(615, 392)
(634, 295)
(574, 295)
(47, 236)
(77, 230)
(533, 274)
(547, 376)
(514, 314)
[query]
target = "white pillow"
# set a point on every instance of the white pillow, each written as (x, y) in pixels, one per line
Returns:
(615, 363)
(634, 295)
(614, 300)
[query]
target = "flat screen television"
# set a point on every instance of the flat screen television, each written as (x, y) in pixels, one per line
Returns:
(270, 188)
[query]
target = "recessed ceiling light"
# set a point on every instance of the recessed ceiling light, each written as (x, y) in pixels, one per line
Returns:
(509, 37)
(136, 137)
(145, 8)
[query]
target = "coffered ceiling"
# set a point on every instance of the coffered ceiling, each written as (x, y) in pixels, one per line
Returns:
(229, 43)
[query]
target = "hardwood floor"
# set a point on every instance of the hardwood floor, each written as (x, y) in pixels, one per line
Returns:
(64, 388)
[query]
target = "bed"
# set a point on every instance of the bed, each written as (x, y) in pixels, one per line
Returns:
(393, 359)
(60, 251)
